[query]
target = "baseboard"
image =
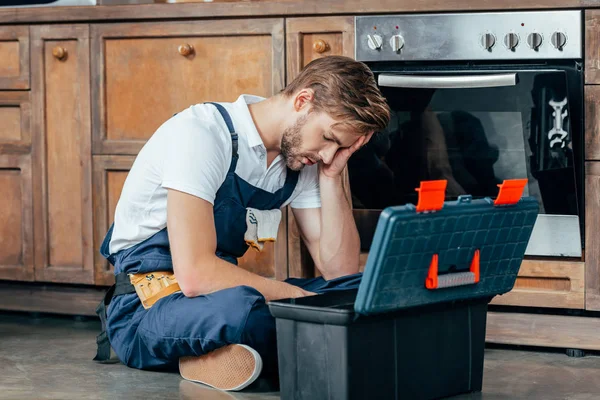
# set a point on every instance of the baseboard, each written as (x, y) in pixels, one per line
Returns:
(50, 298)
(543, 330)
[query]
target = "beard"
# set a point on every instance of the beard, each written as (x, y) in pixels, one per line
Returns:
(291, 142)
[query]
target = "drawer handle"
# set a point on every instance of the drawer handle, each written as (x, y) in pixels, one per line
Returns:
(186, 49)
(320, 46)
(59, 52)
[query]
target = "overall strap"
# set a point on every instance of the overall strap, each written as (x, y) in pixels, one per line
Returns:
(122, 286)
(234, 136)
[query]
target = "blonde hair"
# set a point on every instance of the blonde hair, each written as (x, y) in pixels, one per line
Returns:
(345, 89)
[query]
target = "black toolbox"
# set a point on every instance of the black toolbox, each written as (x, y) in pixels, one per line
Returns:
(415, 327)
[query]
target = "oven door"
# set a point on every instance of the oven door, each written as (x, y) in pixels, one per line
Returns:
(476, 128)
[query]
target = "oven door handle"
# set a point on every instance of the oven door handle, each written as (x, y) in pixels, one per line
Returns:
(447, 81)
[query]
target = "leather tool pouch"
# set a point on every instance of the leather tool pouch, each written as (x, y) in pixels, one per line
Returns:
(151, 287)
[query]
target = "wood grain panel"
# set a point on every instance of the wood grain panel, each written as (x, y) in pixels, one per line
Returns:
(592, 122)
(58, 299)
(548, 283)
(302, 33)
(63, 154)
(16, 218)
(273, 8)
(592, 236)
(15, 114)
(9, 56)
(109, 177)
(144, 80)
(592, 46)
(14, 57)
(543, 330)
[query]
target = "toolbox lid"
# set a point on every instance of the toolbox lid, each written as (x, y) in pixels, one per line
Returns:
(464, 249)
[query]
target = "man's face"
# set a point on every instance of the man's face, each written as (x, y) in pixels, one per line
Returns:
(313, 138)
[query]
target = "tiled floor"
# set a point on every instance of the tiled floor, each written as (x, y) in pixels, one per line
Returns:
(51, 358)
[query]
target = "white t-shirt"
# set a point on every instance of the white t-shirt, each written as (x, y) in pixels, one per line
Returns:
(191, 152)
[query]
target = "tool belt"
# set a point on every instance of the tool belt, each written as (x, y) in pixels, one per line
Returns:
(153, 286)
(150, 287)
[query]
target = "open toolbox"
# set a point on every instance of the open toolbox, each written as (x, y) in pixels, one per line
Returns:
(415, 328)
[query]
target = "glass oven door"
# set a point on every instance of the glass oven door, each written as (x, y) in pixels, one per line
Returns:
(476, 128)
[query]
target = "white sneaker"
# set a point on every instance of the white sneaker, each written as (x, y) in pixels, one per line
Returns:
(232, 367)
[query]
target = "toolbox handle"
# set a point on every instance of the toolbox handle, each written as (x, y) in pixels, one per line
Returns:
(434, 281)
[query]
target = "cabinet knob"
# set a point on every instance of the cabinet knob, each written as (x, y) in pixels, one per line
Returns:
(320, 46)
(59, 52)
(186, 49)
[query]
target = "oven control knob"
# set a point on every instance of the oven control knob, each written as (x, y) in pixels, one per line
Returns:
(374, 42)
(534, 40)
(488, 41)
(511, 40)
(397, 43)
(558, 40)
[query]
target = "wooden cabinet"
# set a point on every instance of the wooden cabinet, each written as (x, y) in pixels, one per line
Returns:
(14, 57)
(62, 164)
(16, 217)
(144, 73)
(311, 38)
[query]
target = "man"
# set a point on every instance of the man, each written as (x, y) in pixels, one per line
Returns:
(185, 207)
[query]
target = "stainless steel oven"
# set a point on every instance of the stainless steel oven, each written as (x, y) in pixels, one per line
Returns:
(477, 98)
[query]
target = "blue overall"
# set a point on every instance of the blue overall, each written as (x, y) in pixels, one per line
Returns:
(177, 325)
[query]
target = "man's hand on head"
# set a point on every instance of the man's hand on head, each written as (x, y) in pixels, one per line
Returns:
(337, 165)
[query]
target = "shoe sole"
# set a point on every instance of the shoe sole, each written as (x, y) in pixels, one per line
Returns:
(230, 368)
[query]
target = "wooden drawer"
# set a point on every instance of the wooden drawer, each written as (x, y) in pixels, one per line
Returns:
(15, 116)
(14, 57)
(16, 217)
(541, 283)
(147, 72)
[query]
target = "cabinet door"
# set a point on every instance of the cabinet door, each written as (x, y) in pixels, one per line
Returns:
(16, 218)
(592, 237)
(62, 154)
(146, 72)
(109, 177)
(311, 38)
(308, 39)
(14, 57)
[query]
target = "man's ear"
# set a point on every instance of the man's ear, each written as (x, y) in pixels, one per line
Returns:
(303, 99)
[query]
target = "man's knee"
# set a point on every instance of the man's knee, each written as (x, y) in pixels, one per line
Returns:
(259, 329)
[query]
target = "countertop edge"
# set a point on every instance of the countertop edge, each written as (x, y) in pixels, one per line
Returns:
(253, 9)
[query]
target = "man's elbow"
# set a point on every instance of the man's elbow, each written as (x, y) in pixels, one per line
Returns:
(194, 282)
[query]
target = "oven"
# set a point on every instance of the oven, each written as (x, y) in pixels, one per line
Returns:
(477, 98)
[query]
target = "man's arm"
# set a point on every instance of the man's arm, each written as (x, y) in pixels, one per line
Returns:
(330, 232)
(198, 270)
